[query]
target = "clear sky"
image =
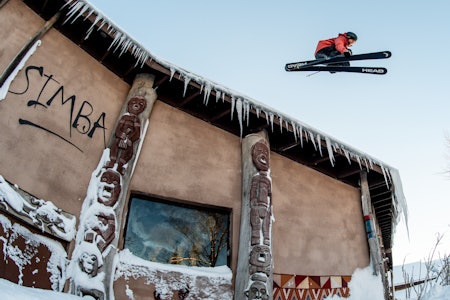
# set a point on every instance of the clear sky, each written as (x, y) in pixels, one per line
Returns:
(401, 118)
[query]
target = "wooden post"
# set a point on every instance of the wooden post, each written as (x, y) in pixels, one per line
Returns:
(93, 259)
(372, 236)
(19, 56)
(254, 276)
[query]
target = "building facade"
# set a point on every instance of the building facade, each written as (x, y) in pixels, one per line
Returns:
(126, 177)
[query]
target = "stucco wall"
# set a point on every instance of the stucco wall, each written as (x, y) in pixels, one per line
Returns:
(184, 158)
(318, 228)
(50, 147)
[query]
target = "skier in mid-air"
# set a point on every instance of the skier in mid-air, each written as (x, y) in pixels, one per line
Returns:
(334, 55)
(336, 46)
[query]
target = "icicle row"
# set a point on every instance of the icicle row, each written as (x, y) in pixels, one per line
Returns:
(124, 43)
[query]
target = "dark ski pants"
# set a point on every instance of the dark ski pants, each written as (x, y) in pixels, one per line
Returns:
(328, 52)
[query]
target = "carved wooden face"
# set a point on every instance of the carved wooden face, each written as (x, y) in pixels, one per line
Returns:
(89, 264)
(111, 188)
(258, 290)
(260, 256)
(136, 105)
(260, 156)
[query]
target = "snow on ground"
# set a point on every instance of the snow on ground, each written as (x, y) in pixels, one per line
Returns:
(363, 286)
(12, 291)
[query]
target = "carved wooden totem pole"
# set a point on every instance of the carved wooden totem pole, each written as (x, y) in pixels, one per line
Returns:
(92, 263)
(254, 275)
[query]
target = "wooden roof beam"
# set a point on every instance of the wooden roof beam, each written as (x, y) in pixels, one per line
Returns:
(188, 99)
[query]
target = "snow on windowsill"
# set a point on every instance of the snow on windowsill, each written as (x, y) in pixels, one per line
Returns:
(201, 282)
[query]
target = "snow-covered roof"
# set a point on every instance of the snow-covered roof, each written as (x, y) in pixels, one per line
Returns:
(243, 109)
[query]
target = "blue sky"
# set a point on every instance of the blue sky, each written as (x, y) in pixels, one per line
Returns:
(401, 118)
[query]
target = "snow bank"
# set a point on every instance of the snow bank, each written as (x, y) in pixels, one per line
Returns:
(364, 285)
(12, 291)
(38, 212)
(56, 265)
(438, 292)
(202, 282)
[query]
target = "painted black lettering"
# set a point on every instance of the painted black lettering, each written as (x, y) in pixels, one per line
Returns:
(84, 129)
(28, 69)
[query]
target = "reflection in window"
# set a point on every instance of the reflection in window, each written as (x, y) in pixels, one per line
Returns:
(176, 234)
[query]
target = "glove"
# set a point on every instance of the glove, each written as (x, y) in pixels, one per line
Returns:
(348, 53)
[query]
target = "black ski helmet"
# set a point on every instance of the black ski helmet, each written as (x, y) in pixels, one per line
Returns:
(351, 35)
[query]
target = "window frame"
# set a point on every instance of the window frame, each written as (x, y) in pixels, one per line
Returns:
(184, 204)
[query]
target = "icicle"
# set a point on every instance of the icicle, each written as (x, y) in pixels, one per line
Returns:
(239, 114)
(143, 58)
(125, 47)
(300, 134)
(89, 14)
(281, 123)
(311, 136)
(233, 103)
(271, 116)
(74, 8)
(81, 12)
(399, 198)
(102, 24)
(319, 144)
(330, 150)
(334, 147)
(172, 72)
(347, 155)
(247, 112)
(218, 94)
(120, 40)
(223, 97)
(383, 170)
(110, 29)
(98, 18)
(371, 163)
(116, 39)
(359, 161)
(258, 111)
(207, 93)
(267, 116)
(294, 130)
(186, 82)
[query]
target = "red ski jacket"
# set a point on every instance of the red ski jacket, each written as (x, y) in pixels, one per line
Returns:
(340, 42)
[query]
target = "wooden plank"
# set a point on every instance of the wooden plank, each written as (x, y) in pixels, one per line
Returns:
(21, 54)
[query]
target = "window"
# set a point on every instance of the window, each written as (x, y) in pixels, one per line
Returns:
(175, 233)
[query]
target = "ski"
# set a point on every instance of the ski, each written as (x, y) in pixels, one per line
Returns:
(335, 69)
(337, 59)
